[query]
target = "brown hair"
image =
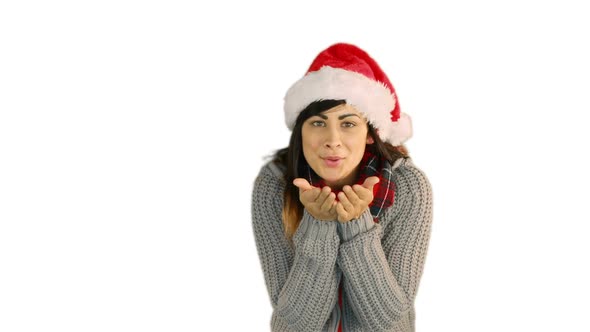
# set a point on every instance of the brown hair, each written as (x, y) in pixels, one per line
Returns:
(292, 159)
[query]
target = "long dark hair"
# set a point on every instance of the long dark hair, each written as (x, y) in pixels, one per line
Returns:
(291, 158)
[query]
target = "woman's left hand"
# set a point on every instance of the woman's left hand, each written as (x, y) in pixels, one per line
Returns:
(353, 201)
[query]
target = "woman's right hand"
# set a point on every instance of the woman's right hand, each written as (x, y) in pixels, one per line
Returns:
(320, 203)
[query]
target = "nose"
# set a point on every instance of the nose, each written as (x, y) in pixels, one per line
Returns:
(332, 139)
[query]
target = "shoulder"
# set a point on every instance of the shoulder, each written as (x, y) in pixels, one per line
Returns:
(405, 170)
(272, 170)
(270, 180)
(412, 186)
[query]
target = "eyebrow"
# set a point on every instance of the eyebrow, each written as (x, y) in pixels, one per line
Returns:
(325, 117)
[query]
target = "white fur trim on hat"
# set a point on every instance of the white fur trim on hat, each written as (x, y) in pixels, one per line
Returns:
(401, 130)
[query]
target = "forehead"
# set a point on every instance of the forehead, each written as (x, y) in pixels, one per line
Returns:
(341, 109)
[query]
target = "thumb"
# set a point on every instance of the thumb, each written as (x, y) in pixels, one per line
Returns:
(370, 182)
(302, 184)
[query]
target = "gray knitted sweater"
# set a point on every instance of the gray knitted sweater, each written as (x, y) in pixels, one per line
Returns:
(379, 264)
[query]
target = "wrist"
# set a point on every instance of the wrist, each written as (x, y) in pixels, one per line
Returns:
(345, 220)
(320, 216)
(349, 230)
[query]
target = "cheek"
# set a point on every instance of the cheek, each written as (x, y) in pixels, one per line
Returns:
(357, 147)
(310, 142)
(356, 142)
(309, 147)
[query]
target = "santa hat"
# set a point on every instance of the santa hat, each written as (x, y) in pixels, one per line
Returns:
(344, 71)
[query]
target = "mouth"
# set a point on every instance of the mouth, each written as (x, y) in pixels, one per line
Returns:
(332, 161)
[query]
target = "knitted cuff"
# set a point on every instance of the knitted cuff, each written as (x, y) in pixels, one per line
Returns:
(348, 230)
(314, 229)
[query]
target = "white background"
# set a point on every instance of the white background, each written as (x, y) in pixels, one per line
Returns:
(131, 133)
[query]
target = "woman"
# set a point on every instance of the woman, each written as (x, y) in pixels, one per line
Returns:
(342, 216)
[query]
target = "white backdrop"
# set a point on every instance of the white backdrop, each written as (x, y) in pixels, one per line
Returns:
(131, 133)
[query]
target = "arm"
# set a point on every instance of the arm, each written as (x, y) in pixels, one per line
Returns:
(382, 263)
(301, 281)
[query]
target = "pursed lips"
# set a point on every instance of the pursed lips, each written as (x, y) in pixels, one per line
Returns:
(333, 158)
(332, 161)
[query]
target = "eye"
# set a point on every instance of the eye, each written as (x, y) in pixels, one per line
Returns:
(349, 124)
(318, 123)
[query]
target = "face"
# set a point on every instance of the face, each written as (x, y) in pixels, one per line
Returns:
(334, 144)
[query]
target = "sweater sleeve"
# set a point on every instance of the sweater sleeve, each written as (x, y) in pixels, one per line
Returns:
(302, 280)
(381, 266)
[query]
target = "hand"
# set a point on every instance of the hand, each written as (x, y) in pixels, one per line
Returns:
(320, 203)
(353, 201)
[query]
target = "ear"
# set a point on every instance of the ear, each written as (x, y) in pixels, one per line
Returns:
(370, 139)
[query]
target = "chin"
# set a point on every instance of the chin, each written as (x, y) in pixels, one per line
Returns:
(330, 176)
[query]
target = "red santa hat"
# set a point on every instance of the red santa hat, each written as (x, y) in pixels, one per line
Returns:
(344, 71)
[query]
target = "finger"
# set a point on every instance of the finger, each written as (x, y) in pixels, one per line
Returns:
(351, 195)
(310, 195)
(334, 206)
(302, 184)
(363, 193)
(328, 203)
(342, 214)
(370, 182)
(346, 203)
(323, 194)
